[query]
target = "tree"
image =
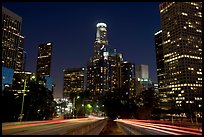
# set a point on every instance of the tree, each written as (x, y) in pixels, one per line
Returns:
(39, 103)
(11, 110)
(149, 100)
(119, 103)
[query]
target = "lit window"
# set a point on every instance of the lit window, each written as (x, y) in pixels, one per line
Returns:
(198, 30)
(185, 14)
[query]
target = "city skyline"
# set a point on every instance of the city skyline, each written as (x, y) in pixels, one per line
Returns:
(73, 30)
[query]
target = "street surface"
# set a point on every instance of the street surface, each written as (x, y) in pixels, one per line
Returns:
(113, 127)
(147, 127)
(47, 127)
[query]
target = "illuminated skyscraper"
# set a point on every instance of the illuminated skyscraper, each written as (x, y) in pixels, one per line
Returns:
(44, 59)
(97, 77)
(101, 41)
(179, 57)
(142, 76)
(114, 69)
(73, 81)
(128, 76)
(21, 60)
(97, 67)
(142, 71)
(12, 40)
(104, 67)
(159, 58)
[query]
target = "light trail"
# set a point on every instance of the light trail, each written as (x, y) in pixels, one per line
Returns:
(171, 126)
(160, 127)
(40, 123)
(144, 126)
(49, 127)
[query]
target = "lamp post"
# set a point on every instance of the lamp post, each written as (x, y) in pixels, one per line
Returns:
(21, 115)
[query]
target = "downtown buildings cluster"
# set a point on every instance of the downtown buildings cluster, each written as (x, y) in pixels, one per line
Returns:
(178, 47)
(14, 56)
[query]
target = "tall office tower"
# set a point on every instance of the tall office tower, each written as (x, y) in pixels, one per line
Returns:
(97, 77)
(159, 58)
(11, 39)
(128, 76)
(97, 67)
(101, 41)
(142, 71)
(73, 81)
(114, 69)
(44, 59)
(180, 87)
(21, 60)
(142, 76)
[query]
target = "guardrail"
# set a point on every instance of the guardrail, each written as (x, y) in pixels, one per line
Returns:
(93, 128)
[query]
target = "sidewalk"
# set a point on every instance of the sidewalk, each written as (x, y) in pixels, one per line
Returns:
(111, 128)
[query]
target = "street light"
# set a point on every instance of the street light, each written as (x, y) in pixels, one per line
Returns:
(22, 105)
(21, 115)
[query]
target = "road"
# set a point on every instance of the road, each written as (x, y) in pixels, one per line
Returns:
(47, 127)
(148, 127)
(116, 127)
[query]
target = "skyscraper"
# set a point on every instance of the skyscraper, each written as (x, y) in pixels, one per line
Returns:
(159, 58)
(21, 60)
(106, 70)
(104, 67)
(97, 67)
(142, 76)
(73, 81)
(97, 77)
(115, 61)
(12, 40)
(101, 41)
(179, 58)
(142, 71)
(44, 59)
(128, 76)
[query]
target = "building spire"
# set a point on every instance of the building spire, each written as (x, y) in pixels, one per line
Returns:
(101, 39)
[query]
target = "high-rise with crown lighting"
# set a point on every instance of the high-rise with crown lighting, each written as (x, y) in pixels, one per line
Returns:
(179, 58)
(106, 70)
(97, 67)
(101, 41)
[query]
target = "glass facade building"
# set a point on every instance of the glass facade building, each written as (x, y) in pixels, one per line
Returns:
(179, 58)
(12, 40)
(44, 59)
(73, 81)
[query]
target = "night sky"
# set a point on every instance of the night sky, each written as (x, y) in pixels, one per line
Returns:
(72, 28)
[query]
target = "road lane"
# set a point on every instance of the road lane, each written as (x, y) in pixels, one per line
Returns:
(48, 127)
(160, 129)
